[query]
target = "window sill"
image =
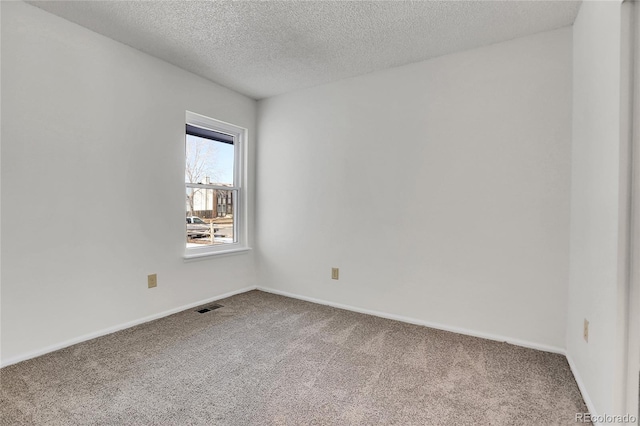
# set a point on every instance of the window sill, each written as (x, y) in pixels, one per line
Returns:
(221, 253)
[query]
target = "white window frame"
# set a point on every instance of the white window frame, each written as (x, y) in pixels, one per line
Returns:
(239, 135)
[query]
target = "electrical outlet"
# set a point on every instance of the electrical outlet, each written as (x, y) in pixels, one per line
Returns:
(585, 331)
(335, 273)
(152, 280)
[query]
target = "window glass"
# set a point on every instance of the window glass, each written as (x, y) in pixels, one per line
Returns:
(209, 162)
(215, 196)
(209, 222)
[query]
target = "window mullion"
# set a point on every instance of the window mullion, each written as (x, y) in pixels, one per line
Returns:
(205, 186)
(216, 221)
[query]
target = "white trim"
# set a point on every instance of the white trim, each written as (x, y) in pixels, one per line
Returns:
(582, 388)
(459, 330)
(219, 253)
(205, 122)
(207, 186)
(633, 310)
(522, 343)
(489, 336)
(118, 327)
(240, 200)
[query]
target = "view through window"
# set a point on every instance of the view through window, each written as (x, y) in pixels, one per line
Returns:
(212, 184)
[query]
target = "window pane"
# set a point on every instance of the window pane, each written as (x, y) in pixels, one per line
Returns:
(208, 162)
(210, 217)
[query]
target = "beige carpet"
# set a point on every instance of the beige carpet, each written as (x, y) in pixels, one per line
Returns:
(266, 359)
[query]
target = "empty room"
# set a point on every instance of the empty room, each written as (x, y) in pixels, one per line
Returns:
(320, 212)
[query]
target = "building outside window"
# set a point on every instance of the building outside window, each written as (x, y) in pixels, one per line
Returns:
(214, 187)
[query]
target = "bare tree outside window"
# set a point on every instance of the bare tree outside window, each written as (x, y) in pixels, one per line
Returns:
(209, 177)
(201, 165)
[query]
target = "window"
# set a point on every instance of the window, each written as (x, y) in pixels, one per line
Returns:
(214, 187)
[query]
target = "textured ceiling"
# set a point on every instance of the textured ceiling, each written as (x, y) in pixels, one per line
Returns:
(264, 48)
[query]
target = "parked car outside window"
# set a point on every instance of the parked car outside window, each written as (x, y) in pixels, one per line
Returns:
(198, 228)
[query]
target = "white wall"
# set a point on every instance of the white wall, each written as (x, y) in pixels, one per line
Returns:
(599, 203)
(633, 385)
(440, 189)
(92, 183)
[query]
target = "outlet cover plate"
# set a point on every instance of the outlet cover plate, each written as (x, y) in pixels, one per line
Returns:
(335, 273)
(152, 280)
(585, 331)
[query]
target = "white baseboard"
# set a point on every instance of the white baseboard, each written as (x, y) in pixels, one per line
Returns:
(583, 389)
(489, 336)
(118, 327)
(401, 318)
(459, 330)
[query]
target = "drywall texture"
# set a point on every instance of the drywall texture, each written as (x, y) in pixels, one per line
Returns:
(440, 190)
(598, 205)
(92, 182)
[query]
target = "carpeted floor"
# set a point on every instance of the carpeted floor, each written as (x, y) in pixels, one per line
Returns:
(264, 359)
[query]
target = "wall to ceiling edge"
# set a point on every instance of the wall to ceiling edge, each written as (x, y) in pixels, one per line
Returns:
(415, 181)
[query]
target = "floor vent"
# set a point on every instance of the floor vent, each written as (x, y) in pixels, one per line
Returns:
(209, 308)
